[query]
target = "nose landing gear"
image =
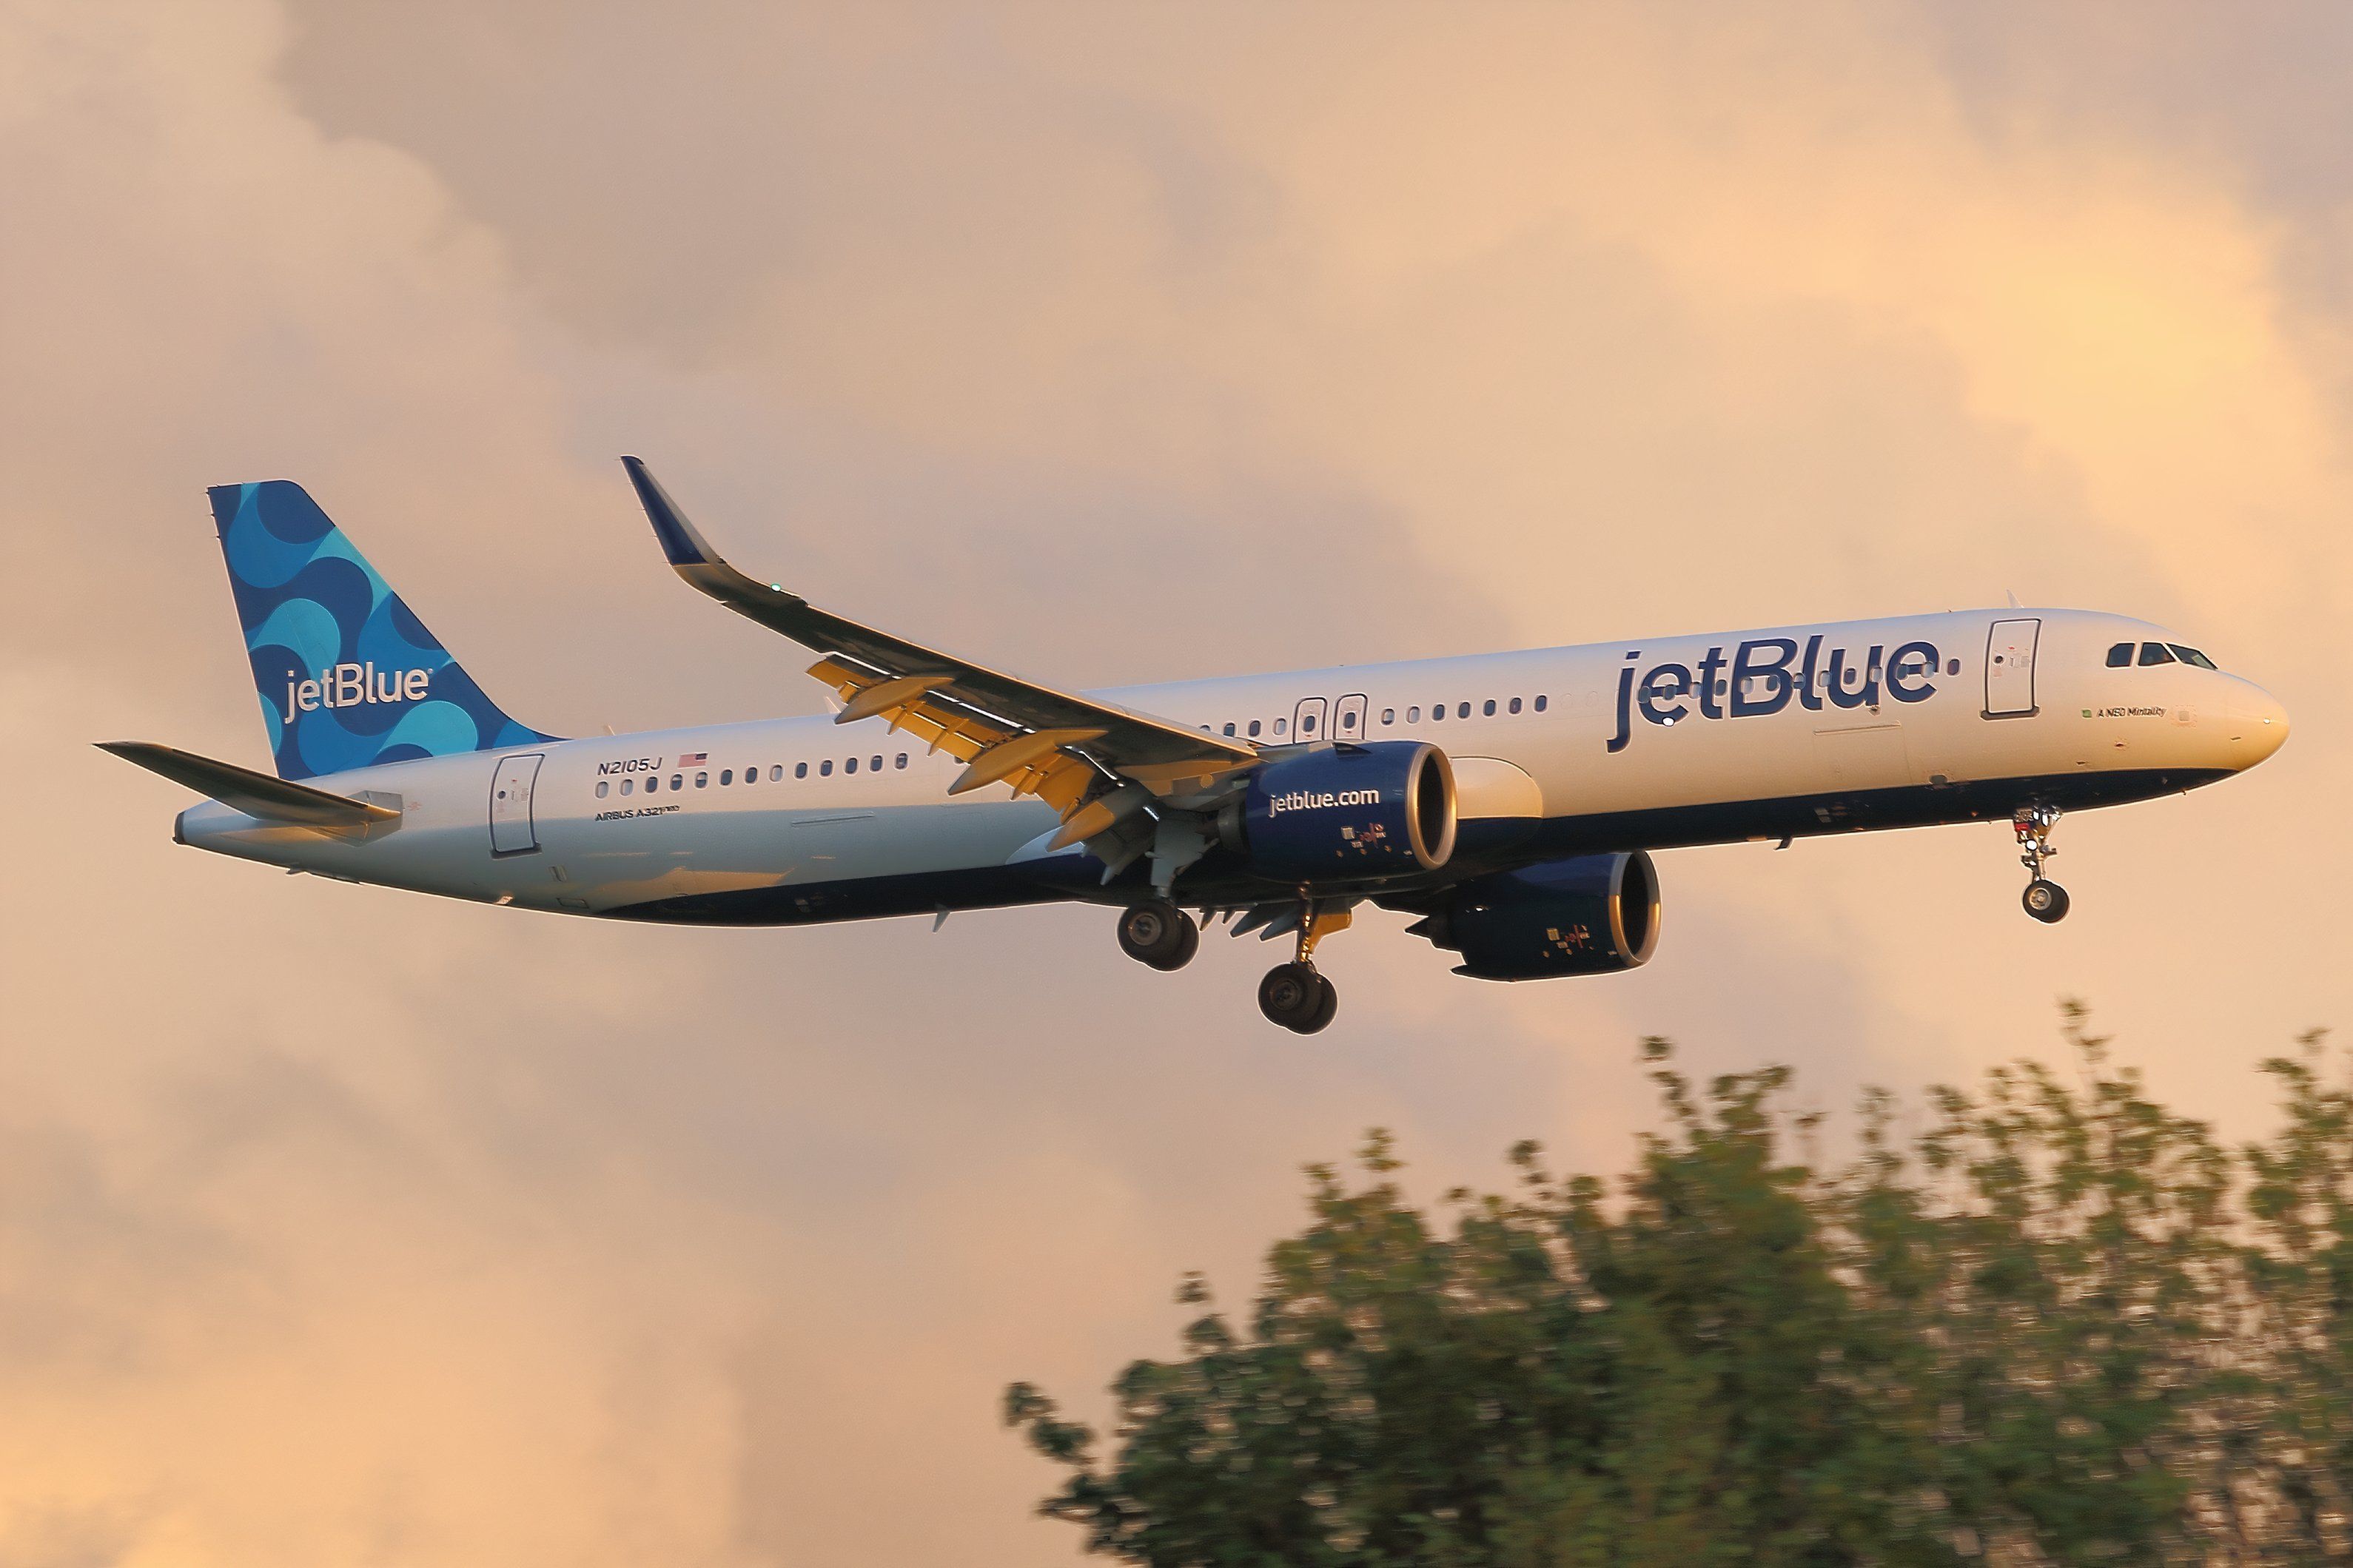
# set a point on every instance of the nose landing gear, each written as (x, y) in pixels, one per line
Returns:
(2045, 900)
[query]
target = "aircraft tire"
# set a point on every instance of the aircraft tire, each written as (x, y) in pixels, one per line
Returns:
(1296, 996)
(2045, 901)
(1324, 1010)
(1158, 933)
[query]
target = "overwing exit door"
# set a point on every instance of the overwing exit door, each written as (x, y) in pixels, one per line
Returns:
(1308, 720)
(1348, 718)
(2009, 669)
(511, 830)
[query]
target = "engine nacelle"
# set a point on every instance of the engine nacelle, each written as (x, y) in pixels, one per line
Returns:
(1345, 812)
(1588, 915)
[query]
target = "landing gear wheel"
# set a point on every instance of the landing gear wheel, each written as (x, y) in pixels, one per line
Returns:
(1331, 1006)
(1296, 996)
(2045, 901)
(1158, 933)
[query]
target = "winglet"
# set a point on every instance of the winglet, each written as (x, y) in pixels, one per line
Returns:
(679, 540)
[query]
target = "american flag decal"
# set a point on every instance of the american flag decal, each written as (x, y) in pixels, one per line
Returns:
(694, 759)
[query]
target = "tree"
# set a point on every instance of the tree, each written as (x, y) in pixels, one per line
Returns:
(2062, 1324)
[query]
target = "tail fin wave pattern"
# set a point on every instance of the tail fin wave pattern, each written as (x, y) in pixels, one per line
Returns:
(348, 676)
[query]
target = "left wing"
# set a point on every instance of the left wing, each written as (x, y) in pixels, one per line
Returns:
(1071, 751)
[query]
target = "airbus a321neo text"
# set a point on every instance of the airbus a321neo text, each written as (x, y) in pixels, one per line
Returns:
(1509, 800)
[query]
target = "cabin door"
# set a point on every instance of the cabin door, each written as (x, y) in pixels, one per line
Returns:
(2009, 669)
(511, 831)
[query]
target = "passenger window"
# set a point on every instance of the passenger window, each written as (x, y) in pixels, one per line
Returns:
(903, 759)
(1437, 712)
(1489, 711)
(1540, 703)
(850, 766)
(601, 787)
(2192, 656)
(726, 776)
(2155, 653)
(825, 769)
(1306, 724)
(1462, 710)
(1279, 725)
(1954, 668)
(1229, 729)
(1389, 717)
(874, 763)
(800, 770)
(624, 786)
(1253, 729)
(2120, 656)
(1516, 704)
(776, 773)
(1413, 714)
(701, 780)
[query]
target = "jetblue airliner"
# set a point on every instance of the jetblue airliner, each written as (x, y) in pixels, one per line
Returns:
(1509, 800)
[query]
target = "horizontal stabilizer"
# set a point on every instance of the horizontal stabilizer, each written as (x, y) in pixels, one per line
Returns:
(256, 795)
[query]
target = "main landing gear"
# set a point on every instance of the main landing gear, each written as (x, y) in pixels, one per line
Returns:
(1158, 933)
(1298, 997)
(2045, 900)
(1293, 994)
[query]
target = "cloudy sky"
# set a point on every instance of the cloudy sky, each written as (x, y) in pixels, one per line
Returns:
(1114, 343)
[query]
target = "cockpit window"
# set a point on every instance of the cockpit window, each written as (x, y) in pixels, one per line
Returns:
(2155, 653)
(2120, 656)
(2192, 656)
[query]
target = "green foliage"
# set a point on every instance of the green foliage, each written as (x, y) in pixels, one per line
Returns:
(2056, 1323)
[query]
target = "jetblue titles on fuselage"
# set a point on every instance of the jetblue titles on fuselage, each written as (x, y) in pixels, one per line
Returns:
(1762, 681)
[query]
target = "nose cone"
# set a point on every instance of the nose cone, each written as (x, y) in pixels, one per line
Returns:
(2258, 724)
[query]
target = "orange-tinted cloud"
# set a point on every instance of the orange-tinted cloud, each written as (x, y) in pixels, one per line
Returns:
(338, 1223)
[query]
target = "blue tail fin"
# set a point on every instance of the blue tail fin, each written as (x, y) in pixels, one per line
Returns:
(348, 677)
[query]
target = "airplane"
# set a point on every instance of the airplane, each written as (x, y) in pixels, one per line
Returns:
(1510, 801)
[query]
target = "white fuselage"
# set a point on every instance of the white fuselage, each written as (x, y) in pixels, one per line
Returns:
(1561, 751)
